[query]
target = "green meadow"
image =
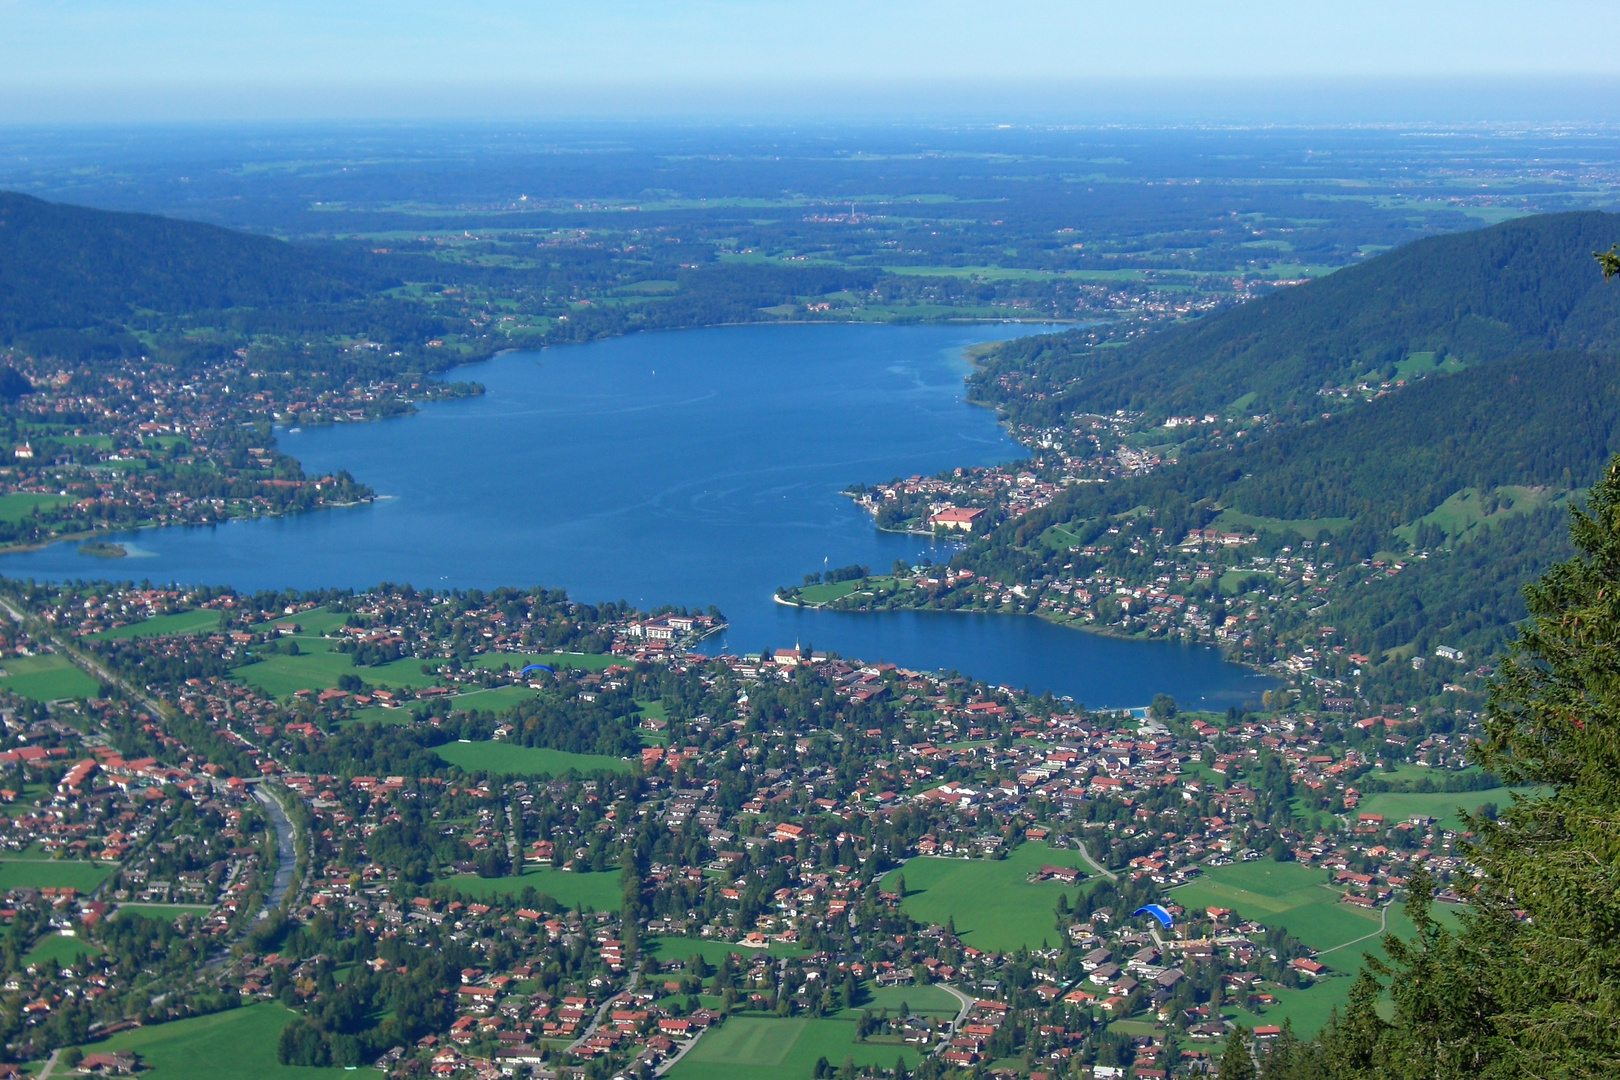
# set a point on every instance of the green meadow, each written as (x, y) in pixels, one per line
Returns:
(161, 912)
(1464, 511)
(59, 950)
(47, 677)
(199, 1047)
(199, 621)
(19, 504)
(496, 756)
(601, 892)
(1443, 806)
(52, 873)
(743, 1046)
(1299, 900)
(713, 951)
(314, 623)
(995, 907)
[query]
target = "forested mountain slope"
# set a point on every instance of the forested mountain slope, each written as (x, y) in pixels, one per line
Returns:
(72, 266)
(1547, 420)
(1475, 296)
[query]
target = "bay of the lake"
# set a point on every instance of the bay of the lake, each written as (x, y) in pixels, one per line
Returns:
(694, 467)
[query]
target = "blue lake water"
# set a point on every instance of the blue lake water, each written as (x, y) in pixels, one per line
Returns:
(698, 467)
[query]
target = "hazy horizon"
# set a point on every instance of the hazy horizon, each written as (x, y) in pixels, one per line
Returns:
(1252, 61)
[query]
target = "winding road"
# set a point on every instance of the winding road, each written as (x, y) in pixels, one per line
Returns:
(1095, 865)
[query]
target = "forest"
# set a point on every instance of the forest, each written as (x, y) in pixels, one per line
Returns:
(1474, 297)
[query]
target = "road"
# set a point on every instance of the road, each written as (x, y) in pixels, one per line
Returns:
(89, 663)
(961, 1017)
(50, 1063)
(596, 1021)
(1095, 865)
(1383, 922)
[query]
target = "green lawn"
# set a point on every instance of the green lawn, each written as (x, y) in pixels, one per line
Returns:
(1399, 805)
(600, 892)
(1232, 582)
(313, 623)
(1060, 538)
(497, 756)
(919, 999)
(200, 1048)
(743, 1046)
(84, 876)
(20, 504)
(995, 908)
(47, 677)
(282, 676)
(713, 951)
(318, 666)
(162, 912)
(821, 594)
(59, 950)
(199, 621)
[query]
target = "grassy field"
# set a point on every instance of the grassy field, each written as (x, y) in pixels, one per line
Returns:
(162, 912)
(1233, 520)
(313, 623)
(600, 892)
(919, 999)
(502, 757)
(744, 1046)
(821, 594)
(995, 908)
(1422, 363)
(282, 676)
(59, 951)
(1232, 582)
(199, 1048)
(186, 622)
(1463, 512)
(20, 504)
(683, 948)
(318, 667)
(47, 678)
(1060, 538)
(1293, 897)
(84, 876)
(1400, 805)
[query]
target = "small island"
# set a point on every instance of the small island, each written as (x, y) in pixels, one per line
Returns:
(102, 549)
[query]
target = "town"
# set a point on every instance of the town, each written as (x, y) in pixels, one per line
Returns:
(551, 839)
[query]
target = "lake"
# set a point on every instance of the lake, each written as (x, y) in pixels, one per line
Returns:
(694, 467)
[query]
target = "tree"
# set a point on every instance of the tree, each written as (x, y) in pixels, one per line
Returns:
(1236, 1061)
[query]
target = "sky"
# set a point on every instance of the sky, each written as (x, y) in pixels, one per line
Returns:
(119, 60)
